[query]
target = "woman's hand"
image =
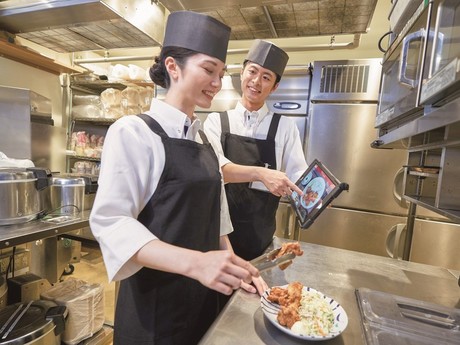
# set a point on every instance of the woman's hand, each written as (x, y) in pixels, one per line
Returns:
(223, 271)
(259, 283)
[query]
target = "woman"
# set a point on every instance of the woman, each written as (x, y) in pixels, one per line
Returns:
(157, 214)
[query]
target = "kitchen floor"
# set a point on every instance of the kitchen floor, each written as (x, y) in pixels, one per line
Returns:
(91, 268)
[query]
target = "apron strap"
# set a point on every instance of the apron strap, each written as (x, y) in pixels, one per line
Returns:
(154, 125)
(203, 136)
(225, 128)
(224, 123)
(273, 127)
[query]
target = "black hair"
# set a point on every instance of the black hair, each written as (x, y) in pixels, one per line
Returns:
(278, 77)
(158, 72)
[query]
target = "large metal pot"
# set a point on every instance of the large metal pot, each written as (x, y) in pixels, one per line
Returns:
(23, 194)
(36, 322)
(67, 194)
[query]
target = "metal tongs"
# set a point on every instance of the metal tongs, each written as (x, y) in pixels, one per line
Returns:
(269, 260)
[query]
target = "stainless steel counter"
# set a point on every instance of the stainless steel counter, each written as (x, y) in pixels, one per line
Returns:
(336, 273)
(12, 235)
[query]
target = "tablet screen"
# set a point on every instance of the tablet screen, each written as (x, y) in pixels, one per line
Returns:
(319, 187)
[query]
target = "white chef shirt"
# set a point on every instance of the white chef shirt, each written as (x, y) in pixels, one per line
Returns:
(290, 157)
(132, 162)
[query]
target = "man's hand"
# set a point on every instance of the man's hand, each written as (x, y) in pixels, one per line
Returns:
(277, 182)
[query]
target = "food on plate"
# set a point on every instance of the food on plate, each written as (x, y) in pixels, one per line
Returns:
(304, 312)
(316, 315)
(286, 248)
(310, 196)
(289, 301)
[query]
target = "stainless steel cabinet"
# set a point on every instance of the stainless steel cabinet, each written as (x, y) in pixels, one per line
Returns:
(361, 231)
(436, 243)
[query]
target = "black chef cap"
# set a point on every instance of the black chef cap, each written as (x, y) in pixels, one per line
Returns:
(269, 56)
(198, 32)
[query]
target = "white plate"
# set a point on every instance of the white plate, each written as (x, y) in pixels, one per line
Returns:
(316, 185)
(340, 316)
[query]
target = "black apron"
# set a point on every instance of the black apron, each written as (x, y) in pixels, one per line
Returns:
(156, 307)
(252, 211)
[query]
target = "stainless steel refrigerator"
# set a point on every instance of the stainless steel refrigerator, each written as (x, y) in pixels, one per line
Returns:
(340, 129)
(372, 216)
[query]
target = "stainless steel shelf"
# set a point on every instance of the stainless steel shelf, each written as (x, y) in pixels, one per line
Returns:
(94, 121)
(97, 86)
(434, 118)
(429, 203)
(84, 158)
(423, 174)
(16, 234)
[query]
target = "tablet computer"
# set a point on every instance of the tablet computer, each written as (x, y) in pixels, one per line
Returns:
(319, 188)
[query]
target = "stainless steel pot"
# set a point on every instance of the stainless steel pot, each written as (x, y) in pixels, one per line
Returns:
(67, 195)
(23, 194)
(36, 322)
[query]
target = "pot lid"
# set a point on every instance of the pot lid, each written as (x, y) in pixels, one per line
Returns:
(67, 181)
(16, 174)
(23, 322)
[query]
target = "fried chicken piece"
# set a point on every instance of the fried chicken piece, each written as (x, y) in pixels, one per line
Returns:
(288, 316)
(276, 294)
(286, 248)
(290, 247)
(294, 291)
(289, 301)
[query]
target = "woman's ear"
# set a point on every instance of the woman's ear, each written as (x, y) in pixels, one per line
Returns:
(171, 67)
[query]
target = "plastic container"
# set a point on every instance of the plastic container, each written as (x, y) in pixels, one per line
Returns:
(85, 304)
(394, 320)
(136, 72)
(87, 111)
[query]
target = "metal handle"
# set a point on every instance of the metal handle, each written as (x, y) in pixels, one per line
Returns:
(405, 51)
(16, 320)
(398, 231)
(398, 188)
(438, 45)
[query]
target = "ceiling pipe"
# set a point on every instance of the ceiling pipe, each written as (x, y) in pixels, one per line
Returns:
(331, 46)
(112, 59)
(271, 26)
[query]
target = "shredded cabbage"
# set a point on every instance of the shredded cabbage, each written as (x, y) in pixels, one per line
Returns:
(317, 317)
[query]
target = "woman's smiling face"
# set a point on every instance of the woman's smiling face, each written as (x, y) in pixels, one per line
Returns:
(201, 79)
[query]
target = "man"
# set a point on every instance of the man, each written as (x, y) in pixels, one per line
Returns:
(257, 145)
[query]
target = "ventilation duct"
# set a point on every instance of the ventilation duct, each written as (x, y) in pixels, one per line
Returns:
(79, 25)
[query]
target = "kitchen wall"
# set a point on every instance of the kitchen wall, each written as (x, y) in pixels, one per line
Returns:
(14, 74)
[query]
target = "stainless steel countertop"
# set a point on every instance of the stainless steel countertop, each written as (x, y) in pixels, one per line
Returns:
(336, 273)
(12, 235)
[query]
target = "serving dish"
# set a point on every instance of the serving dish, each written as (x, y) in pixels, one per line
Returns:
(271, 310)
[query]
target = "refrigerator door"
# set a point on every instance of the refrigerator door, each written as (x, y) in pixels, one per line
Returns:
(301, 123)
(339, 135)
(436, 243)
(364, 232)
